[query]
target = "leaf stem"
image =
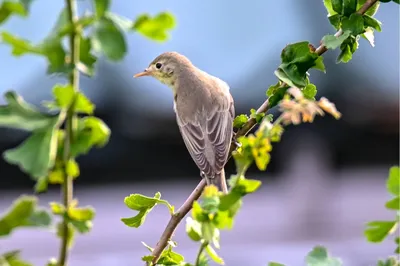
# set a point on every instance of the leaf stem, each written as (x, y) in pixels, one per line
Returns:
(203, 245)
(187, 205)
(67, 187)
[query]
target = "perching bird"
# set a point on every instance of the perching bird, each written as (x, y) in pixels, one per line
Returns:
(204, 112)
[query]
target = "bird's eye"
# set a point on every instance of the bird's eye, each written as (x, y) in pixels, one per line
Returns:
(158, 65)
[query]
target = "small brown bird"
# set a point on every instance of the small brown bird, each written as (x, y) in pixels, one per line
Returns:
(204, 112)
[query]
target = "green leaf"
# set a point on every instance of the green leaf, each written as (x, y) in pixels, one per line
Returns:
(87, 59)
(81, 214)
(148, 258)
(241, 188)
(57, 208)
(51, 48)
(9, 8)
(372, 10)
(193, 229)
(391, 261)
(349, 7)
(393, 204)
(23, 213)
(354, 24)
(337, 6)
(275, 264)
(70, 233)
(372, 22)
(144, 205)
(335, 21)
(276, 93)
(377, 231)
(108, 39)
(348, 48)
(208, 231)
(333, 42)
(257, 116)
(101, 7)
(21, 115)
(329, 8)
(213, 255)
(82, 227)
(393, 181)
(64, 97)
(310, 91)
(170, 257)
(240, 121)
(36, 155)
(121, 21)
(297, 59)
(12, 258)
(155, 28)
(91, 131)
(319, 257)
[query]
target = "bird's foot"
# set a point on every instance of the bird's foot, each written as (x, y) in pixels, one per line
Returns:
(237, 143)
(202, 174)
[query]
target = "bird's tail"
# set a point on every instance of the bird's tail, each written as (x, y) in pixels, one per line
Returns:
(219, 181)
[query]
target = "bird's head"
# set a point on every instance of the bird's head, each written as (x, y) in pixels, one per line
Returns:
(166, 67)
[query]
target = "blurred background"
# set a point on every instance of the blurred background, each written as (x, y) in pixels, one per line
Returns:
(325, 179)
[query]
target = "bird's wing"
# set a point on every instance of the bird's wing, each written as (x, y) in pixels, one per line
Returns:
(208, 141)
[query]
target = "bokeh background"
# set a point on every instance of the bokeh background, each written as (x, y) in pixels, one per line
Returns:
(325, 179)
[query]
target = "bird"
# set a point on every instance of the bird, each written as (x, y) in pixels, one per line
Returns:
(204, 109)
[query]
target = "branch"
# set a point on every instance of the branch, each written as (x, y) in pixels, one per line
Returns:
(186, 207)
(67, 186)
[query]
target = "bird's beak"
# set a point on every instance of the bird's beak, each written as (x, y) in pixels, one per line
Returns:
(146, 72)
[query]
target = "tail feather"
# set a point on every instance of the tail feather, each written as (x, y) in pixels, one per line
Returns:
(219, 181)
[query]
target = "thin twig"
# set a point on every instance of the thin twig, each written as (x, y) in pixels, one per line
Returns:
(203, 245)
(187, 205)
(67, 187)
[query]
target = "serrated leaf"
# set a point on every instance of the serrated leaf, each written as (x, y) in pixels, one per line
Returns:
(155, 28)
(23, 213)
(213, 255)
(278, 94)
(337, 6)
(372, 10)
(193, 229)
(372, 22)
(335, 21)
(65, 95)
(257, 116)
(91, 132)
(393, 181)
(310, 91)
(333, 42)
(348, 48)
(170, 257)
(297, 59)
(87, 59)
(108, 39)
(319, 257)
(101, 7)
(21, 115)
(349, 7)
(377, 231)
(329, 8)
(36, 155)
(354, 24)
(240, 121)
(148, 258)
(144, 205)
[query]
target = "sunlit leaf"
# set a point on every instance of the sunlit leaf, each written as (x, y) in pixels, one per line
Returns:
(319, 257)
(155, 28)
(377, 231)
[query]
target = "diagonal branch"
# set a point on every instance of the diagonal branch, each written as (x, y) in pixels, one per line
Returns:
(187, 205)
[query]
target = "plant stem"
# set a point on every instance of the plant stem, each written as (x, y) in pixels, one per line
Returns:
(187, 205)
(67, 187)
(201, 250)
